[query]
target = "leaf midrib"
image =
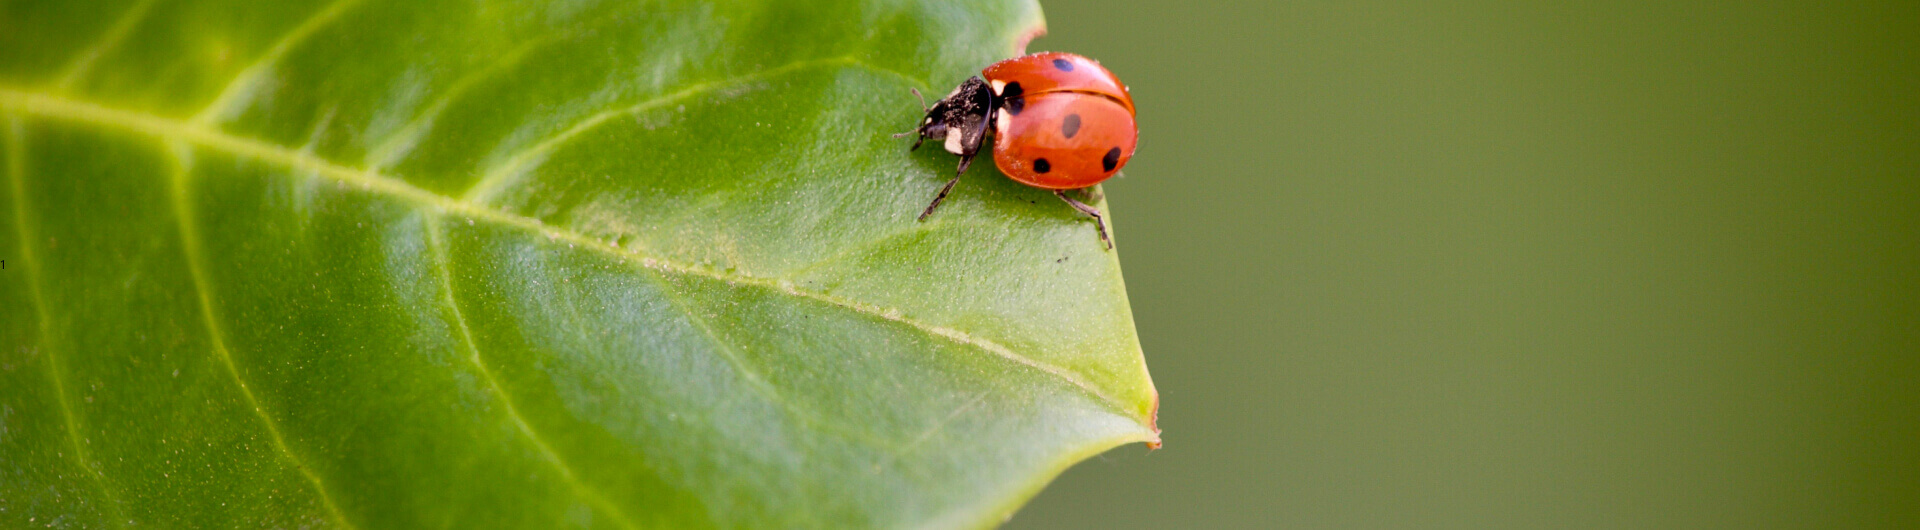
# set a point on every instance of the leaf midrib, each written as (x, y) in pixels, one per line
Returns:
(73, 110)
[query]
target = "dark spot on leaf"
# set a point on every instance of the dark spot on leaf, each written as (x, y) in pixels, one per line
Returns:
(1040, 165)
(1112, 159)
(1071, 125)
(1063, 65)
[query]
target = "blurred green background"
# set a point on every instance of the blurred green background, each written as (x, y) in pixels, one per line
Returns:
(1516, 265)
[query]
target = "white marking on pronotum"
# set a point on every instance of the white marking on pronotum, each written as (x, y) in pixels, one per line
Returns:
(953, 143)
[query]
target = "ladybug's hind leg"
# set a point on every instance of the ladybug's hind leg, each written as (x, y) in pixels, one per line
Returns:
(1098, 223)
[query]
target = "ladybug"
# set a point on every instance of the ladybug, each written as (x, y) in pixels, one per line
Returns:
(1059, 122)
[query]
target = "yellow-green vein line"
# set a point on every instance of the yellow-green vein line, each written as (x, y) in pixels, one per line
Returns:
(870, 245)
(190, 243)
(512, 166)
(944, 422)
(732, 355)
(913, 446)
(441, 260)
(394, 146)
(114, 34)
(17, 171)
(248, 80)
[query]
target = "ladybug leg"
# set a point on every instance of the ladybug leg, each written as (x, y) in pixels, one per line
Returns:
(1092, 194)
(948, 188)
(964, 162)
(1098, 223)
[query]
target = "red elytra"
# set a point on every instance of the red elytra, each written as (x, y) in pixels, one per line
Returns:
(1059, 121)
(1064, 121)
(1045, 72)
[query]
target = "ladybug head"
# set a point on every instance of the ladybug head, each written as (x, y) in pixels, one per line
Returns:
(960, 120)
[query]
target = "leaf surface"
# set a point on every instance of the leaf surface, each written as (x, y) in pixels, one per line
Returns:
(614, 264)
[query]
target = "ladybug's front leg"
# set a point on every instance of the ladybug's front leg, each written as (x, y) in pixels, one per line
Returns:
(944, 190)
(961, 122)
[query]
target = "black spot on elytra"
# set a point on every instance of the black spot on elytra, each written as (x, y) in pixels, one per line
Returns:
(1063, 65)
(1040, 165)
(1071, 125)
(1112, 159)
(1015, 98)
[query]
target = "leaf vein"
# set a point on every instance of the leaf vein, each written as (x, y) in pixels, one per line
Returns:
(107, 42)
(190, 243)
(441, 260)
(868, 246)
(244, 84)
(16, 169)
(944, 422)
(398, 142)
(730, 352)
(511, 167)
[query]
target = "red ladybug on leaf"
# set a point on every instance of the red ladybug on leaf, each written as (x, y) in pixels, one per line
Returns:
(1059, 122)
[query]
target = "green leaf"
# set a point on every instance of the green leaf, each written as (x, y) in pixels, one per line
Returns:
(616, 264)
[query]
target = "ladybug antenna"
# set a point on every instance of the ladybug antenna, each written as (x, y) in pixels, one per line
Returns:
(923, 108)
(916, 141)
(923, 99)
